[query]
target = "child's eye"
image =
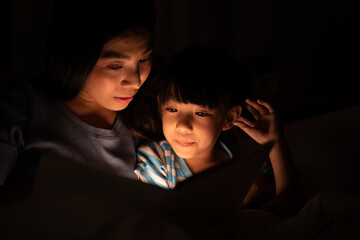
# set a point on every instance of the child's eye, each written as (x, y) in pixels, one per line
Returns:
(171, 109)
(115, 67)
(202, 114)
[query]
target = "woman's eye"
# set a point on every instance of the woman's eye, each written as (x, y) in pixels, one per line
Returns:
(202, 114)
(115, 67)
(145, 60)
(171, 109)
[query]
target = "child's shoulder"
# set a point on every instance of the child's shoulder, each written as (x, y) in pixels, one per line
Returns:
(152, 148)
(225, 148)
(160, 150)
(158, 146)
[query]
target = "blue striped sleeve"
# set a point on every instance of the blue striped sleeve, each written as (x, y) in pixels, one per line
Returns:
(150, 166)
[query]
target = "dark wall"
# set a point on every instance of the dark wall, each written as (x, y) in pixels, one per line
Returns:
(313, 44)
(6, 45)
(24, 28)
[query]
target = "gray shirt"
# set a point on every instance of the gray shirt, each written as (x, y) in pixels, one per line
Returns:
(31, 124)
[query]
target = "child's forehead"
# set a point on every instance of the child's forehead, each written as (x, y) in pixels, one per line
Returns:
(173, 100)
(179, 94)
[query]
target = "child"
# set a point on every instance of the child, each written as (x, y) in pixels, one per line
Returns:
(201, 96)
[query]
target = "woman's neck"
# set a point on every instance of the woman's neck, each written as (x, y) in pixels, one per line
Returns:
(91, 113)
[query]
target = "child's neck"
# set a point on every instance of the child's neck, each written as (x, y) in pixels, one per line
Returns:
(201, 163)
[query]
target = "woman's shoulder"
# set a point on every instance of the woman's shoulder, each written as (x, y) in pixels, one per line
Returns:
(19, 88)
(14, 95)
(18, 98)
(14, 85)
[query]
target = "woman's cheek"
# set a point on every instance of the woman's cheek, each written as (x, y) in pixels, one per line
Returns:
(145, 71)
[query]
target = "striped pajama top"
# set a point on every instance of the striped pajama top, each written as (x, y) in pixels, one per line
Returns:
(158, 164)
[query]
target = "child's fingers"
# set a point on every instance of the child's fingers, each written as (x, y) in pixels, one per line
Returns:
(245, 121)
(241, 125)
(258, 106)
(245, 127)
(253, 111)
(267, 105)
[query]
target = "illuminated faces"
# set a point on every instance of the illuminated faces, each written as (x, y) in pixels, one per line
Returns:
(190, 129)
(123, 66)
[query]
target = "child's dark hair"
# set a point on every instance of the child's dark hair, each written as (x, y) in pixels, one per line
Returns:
(77, 34)
(205, 76)
(198, 74)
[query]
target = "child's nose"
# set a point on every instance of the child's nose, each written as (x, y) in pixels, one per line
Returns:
(184, 124)
(132, 78)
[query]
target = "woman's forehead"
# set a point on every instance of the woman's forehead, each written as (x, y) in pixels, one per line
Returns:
(129, 42)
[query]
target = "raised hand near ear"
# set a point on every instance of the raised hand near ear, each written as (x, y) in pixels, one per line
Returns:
(265, 126)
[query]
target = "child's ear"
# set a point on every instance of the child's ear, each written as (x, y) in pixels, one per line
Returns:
(232, 115)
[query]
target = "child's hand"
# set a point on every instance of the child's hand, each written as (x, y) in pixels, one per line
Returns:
(265, 127)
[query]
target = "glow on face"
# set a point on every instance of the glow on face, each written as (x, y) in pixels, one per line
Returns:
(123, 66)
(191, 130)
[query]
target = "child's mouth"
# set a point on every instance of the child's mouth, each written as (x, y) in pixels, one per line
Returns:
(184, 144)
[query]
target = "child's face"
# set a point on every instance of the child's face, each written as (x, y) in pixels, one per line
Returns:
(123, 66)
(191, 130)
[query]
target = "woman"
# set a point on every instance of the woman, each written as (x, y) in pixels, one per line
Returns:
(99, 57)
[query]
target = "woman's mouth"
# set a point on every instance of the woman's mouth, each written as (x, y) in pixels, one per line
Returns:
(124, 99)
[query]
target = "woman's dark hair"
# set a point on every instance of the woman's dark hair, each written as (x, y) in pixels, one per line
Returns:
(77, 34)
(141, 116)
(198, 74)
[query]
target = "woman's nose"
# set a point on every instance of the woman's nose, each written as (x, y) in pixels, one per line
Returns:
(132, 79)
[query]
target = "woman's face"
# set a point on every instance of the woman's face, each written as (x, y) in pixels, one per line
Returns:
(123, 66)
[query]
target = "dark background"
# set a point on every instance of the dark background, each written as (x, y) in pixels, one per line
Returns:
(313, 45)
